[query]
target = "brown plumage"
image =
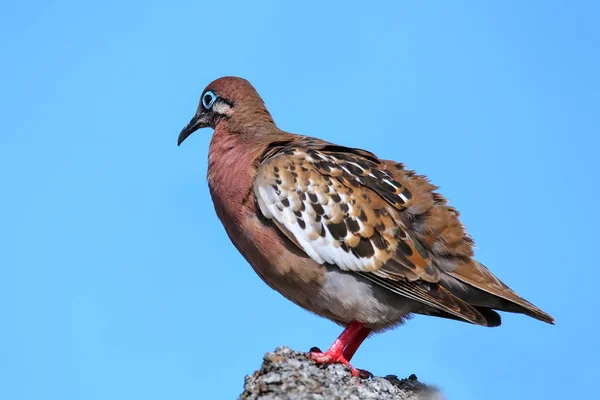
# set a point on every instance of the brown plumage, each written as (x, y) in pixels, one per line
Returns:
(362, 241)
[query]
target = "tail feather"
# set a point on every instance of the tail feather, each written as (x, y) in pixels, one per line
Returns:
(529, 310)
(498, 296)
(492, 318)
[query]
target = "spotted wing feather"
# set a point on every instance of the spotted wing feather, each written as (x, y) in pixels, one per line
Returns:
(335, 211)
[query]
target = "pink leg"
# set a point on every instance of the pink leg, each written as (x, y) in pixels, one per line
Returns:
(355, 343)
(351, 338)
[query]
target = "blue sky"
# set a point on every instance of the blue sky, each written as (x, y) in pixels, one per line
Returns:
(119, 282)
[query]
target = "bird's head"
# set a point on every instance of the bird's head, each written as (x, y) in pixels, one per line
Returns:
(232, 102)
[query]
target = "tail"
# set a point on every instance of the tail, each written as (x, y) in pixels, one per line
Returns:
(522, 306)
(475, 284)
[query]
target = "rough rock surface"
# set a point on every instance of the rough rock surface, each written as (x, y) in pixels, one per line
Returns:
(289, 374)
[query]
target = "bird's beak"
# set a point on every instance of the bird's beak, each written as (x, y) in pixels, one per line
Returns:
(200, 120)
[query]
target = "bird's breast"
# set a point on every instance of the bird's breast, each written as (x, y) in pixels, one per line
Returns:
(283, 266)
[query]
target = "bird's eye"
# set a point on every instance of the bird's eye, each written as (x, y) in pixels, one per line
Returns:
(208, 99)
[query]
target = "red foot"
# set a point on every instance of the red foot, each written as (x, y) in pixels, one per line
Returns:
(331, 358)
(342, 350)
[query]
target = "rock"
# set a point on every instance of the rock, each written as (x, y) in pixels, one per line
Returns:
(290, 375)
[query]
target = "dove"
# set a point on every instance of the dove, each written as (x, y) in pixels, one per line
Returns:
(359, 240)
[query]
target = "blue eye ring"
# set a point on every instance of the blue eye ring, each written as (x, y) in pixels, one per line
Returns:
(208, 99)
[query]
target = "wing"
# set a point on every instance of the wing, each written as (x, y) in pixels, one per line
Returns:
(346, 208)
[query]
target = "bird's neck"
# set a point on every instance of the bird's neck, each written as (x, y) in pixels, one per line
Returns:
(232, 163)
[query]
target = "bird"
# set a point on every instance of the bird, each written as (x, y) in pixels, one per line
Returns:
(362, 241)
